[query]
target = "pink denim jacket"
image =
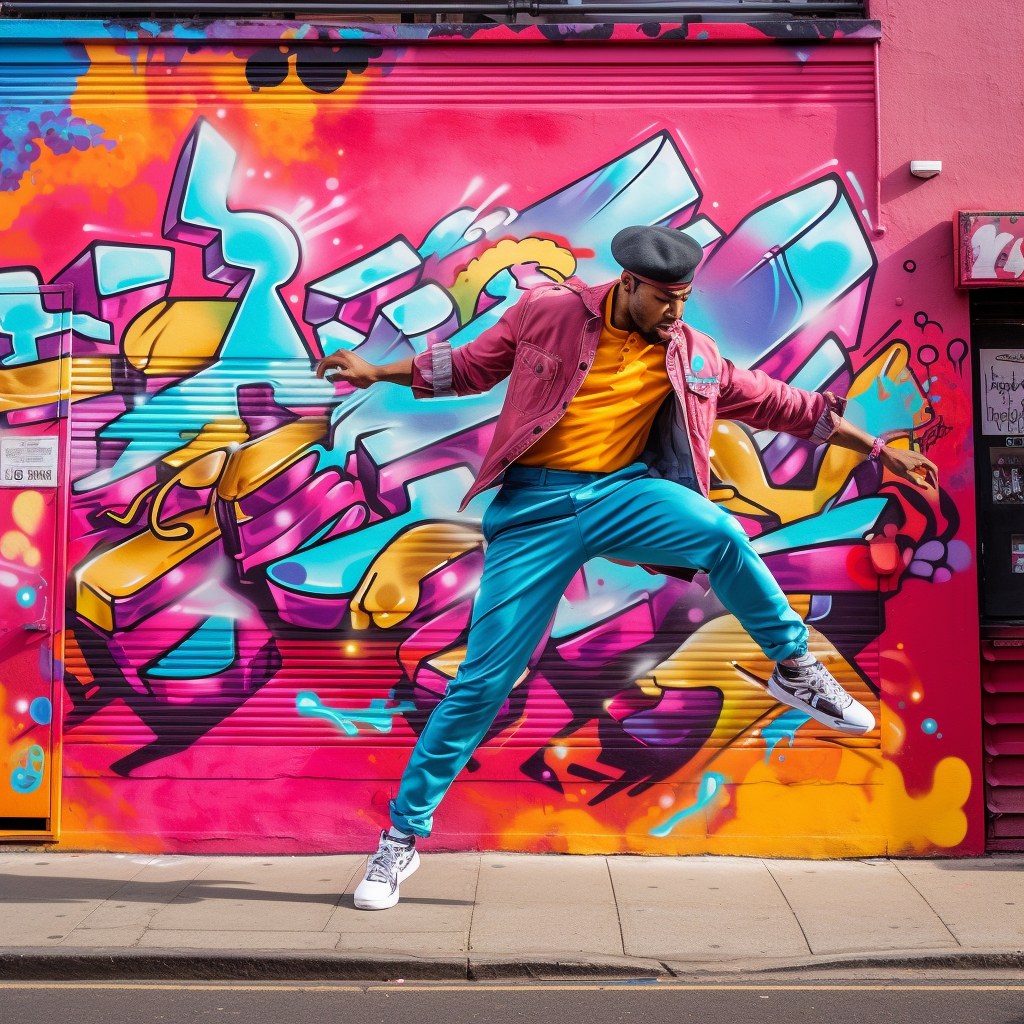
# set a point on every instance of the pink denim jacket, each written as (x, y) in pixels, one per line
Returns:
(547, 342)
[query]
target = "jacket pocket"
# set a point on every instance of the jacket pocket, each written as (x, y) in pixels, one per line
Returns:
(702, 404)
(704, 387)
(533, 376)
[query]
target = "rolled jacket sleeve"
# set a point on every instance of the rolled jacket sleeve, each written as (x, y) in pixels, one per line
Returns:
(472, 368)
(432, 372)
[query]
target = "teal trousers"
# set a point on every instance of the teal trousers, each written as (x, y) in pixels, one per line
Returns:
(541, 527)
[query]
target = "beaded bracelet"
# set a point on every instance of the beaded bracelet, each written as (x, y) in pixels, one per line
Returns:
(876, 449)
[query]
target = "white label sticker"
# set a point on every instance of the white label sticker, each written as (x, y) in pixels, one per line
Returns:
(28, 462)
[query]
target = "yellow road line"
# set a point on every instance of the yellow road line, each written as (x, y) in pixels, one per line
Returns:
(469, 986)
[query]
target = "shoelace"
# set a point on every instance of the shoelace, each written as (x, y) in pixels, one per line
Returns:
(822, 683)
(384, 863)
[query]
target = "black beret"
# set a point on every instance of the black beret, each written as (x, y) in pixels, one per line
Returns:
(661, 255)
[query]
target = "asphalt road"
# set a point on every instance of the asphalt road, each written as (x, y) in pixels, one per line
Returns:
(944, 1002)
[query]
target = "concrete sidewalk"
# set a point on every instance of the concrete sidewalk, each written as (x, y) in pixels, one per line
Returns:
(500, 915)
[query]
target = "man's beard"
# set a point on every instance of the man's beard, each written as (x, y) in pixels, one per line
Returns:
(652, 337)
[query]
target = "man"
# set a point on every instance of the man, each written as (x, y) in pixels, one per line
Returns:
(603, 443)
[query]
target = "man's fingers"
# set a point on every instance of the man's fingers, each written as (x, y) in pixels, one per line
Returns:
(325, 364)
(335, 361)
(924, 472)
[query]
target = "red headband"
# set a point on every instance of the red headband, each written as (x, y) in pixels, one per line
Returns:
(678, 286)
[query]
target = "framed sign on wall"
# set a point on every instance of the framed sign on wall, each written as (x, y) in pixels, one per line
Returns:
(989, 249)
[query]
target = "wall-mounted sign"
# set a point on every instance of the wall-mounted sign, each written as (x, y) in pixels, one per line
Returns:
(989, 249)
(1002, 390)
(28, 462)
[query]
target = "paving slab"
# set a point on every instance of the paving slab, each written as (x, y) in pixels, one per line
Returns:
(850, 906)
(980, 901)
(183, 938)
(282, 894)
(415, 943)
(439, 897)
(702, 909)
(122, 919)
(86, 936)
(545, 905)
(47, 896)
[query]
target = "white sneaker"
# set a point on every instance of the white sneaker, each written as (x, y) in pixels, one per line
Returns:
(811, 688)
(394, 861)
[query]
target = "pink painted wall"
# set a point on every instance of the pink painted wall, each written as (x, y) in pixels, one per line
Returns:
(951, 86)
(233, 697)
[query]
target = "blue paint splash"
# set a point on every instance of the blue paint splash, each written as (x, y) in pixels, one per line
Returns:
(41, 711)
(784, 727)
(27, 776)
(381, 718)
(709, 787)
(35, 109)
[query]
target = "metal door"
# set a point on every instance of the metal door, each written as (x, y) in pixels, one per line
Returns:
(34, 395)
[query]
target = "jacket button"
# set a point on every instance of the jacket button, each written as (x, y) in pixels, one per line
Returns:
(537, 430)
(540, 368)
(583, 366)
(565, 405)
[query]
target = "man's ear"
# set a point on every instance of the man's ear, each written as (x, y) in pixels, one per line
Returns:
(628, 282)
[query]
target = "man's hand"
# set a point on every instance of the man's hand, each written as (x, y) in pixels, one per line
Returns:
(901, 462)
(910, 465)
(355, 370)
(350, 368)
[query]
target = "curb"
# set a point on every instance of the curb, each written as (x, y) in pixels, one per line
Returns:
(46, 964)
(992, 960)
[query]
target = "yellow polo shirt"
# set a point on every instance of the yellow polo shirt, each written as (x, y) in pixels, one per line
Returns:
(607, 424)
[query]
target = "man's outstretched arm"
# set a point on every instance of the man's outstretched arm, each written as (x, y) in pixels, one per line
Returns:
(753, 397)
(441, 370)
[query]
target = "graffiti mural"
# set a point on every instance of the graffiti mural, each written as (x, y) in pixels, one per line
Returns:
(269, 585)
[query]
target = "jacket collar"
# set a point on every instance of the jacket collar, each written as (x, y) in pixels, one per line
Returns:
(593, 298)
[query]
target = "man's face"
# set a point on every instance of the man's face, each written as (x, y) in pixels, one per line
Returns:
(654, 310)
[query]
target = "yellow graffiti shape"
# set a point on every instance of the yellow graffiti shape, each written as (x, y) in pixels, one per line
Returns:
(254, 463)
(894, 732)
(224, 432)
(736, 460)
(179, 336)
(108, 581)
(197, 475)
(213, 459)
(551, 260)
(14, 544)
(390, 590)
(936, 819)
(33, 384)
(222, 435)
(27, 510)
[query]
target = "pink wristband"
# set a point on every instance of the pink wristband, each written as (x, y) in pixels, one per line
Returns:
(876, 449)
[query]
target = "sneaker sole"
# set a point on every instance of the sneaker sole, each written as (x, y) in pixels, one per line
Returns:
(833, 723)
(393, 898)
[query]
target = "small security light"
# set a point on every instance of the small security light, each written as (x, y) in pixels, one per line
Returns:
(925, 168)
